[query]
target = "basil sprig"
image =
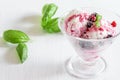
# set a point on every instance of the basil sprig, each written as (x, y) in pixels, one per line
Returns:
(98, 18)
(20, 38)
(48, 23)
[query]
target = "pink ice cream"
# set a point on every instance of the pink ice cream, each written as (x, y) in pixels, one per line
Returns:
(89, 25)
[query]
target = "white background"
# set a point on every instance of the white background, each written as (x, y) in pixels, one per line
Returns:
(47, 52)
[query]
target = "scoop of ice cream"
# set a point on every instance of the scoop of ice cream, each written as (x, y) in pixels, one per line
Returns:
(88, 26)
(75, 23)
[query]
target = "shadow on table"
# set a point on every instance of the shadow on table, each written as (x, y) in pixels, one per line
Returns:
(30, 24)
(2, 42)
(11, 56)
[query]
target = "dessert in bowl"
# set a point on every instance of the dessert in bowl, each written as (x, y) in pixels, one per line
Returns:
(90, 31)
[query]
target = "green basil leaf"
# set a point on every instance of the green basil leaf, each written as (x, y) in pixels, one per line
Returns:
(49, 10)
(52, 26)
(15, 36)
(44, 21)
(44, 9)
(99, 17)
(97, 23)
(22, 52)
(48, 24)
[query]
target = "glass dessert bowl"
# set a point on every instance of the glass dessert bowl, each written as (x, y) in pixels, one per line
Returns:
(88, 63)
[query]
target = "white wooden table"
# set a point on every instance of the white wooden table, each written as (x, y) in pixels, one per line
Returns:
(47, 52)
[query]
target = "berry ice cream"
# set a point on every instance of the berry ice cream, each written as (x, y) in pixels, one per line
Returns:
(89, 25)
(90, 31)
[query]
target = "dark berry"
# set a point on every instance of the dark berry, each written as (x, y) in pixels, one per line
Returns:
(84, 32)
(94, 14)
(101, 29)
(108, 36)
(89, 24)
(92, 17)
(113, 24)
(87, 29)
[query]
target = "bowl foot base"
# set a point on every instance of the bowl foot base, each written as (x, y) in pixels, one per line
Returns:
(77, 68)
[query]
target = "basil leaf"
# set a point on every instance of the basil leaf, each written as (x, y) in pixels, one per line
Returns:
(49, 10)
(44, 9)
(15, 36)
(52, 26)
(48, 24)
(44, 21)
(97, 23)
(22, 52)
(99, 17)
